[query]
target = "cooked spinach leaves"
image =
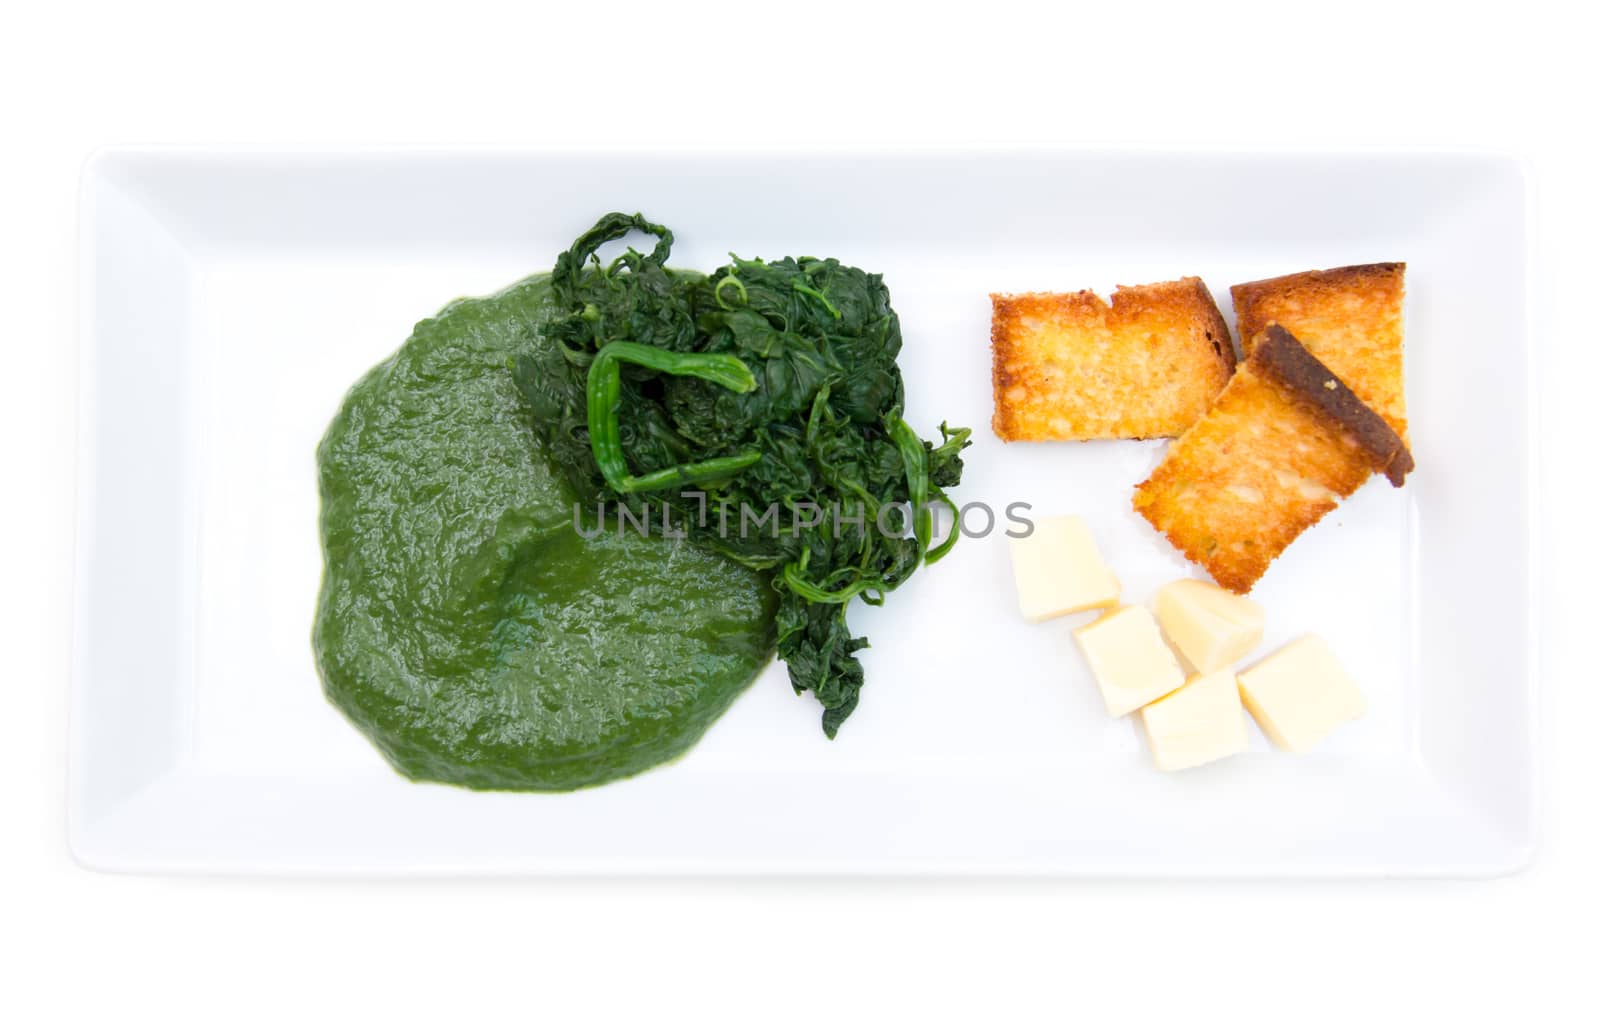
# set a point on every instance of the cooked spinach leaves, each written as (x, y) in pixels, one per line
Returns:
(760, 408)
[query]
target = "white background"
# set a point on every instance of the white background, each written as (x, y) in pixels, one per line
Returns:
(79, 949)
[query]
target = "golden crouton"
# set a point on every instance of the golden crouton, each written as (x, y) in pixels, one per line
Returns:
(1348, 317)
(1282, 445)
(1071, 367)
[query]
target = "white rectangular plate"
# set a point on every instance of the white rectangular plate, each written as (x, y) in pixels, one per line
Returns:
(231, 298)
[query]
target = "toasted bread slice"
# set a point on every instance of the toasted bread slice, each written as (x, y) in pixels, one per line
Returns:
(1072, 367)
(1283, 444)
(1350, 318)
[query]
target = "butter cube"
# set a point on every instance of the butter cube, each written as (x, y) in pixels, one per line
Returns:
(1059, 570)
(1212, 628)
(1300, 693)
(1130, 661)
(1200, 722)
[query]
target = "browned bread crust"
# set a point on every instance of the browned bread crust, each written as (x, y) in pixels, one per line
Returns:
(1072, 367)
(1271, 458)
(1282, 359)
(1350, 318)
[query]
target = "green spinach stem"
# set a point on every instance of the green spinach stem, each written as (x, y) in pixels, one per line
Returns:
(605, 398)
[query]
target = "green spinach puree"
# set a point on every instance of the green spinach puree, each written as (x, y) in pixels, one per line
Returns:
(479, 637)
(464, 625)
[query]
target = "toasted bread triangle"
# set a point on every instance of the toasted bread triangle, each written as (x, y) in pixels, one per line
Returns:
(1284, 443)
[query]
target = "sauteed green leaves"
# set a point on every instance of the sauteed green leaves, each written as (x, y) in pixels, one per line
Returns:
(758, 409)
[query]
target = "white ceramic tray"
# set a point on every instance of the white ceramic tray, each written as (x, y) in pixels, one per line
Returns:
(230, 298)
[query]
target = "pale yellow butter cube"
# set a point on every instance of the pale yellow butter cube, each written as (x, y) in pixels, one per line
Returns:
(1200, 722)
(1212, 628)
(1300, 693)
(1130, 661)
(1059, 570)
